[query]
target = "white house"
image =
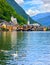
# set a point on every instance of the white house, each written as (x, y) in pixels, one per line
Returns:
(14, 20)
(36, 24)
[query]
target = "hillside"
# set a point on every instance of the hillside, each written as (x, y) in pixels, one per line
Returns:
(20, 10)
(6, 11)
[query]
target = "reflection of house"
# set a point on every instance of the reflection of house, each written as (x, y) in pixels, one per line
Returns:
(14, 20)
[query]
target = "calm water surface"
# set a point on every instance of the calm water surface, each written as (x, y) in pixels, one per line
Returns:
(24, 48)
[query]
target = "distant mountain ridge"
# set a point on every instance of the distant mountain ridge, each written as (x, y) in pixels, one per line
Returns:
(41, 15)
(45, 21)
(43, 18)
(20, 10)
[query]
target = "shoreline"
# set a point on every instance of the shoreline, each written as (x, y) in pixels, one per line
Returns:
(16, 27)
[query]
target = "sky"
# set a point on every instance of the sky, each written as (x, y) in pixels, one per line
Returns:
(34, 7)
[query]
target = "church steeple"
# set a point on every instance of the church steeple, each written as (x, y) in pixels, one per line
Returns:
(28, 21)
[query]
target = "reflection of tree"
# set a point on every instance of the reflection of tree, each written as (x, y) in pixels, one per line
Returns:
(2, 59)
(14, 43)
(5, 40)
(5, 47)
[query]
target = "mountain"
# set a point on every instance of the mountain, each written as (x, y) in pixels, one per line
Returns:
(42, 18)
(20, 10)
(6, 11)
(45, 21)
(41, 15)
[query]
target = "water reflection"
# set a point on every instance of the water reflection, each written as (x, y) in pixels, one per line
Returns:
(24, 48)
(5, 40)
(11, 46)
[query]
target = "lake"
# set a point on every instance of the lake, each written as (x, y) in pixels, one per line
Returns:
(25, 48)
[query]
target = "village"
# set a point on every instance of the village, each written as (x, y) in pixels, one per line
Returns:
(14, 26)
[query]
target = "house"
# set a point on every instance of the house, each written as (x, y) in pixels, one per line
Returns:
(14, 20)
(9, 27)
(4, 26)
(36, 25)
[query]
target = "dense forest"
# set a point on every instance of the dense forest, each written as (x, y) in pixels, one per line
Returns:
(6, 11)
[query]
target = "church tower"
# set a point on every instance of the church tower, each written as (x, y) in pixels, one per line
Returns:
(28, 21)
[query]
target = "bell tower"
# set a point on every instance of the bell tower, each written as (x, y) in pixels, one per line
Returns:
(28, 21)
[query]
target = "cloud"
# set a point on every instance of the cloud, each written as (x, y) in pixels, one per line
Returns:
(38, 6)
(45, 8)
(31, 12)
(32, 2)
(20, 2)
(46, 1)
(33, 7)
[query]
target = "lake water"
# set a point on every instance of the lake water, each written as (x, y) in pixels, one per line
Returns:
(24, 48)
